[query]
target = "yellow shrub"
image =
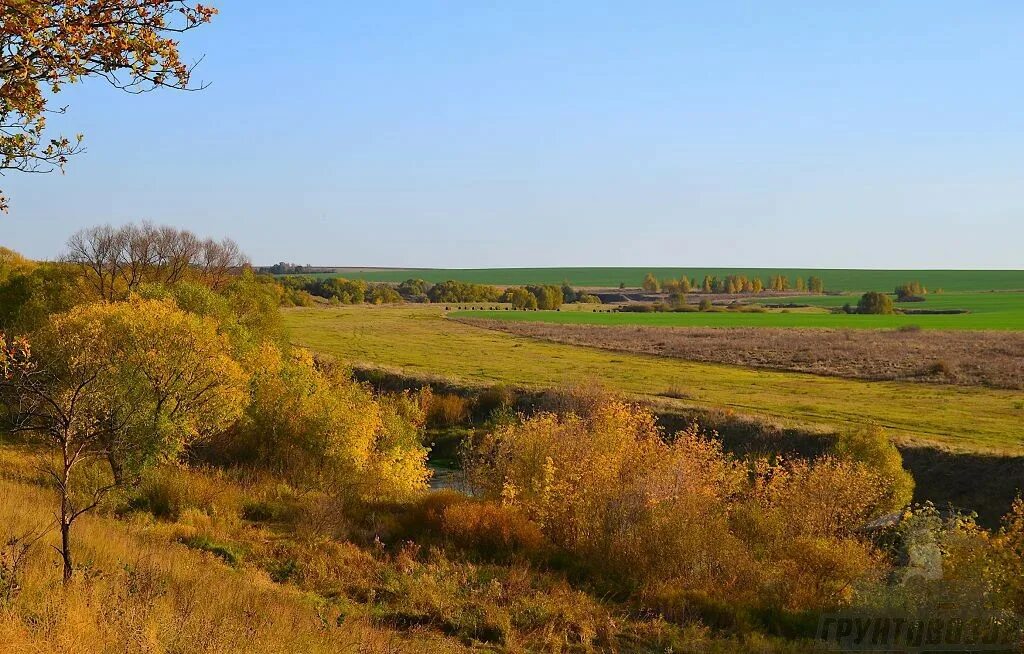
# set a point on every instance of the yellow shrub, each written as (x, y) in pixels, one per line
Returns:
(609, 486)
(315, 426)
(444, 409)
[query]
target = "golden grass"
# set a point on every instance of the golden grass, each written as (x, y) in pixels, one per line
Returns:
(136, 593)
(146, 585)
(418, 340)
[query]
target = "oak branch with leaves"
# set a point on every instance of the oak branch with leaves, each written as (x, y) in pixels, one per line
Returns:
(47, 44)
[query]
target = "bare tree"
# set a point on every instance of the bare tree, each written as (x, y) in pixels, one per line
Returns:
(116, 261)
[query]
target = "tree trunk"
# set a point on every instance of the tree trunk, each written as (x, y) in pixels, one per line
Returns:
(65, 537)
(116, 469)
(66, 515)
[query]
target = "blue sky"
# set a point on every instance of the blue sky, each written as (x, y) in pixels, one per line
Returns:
(471, 134)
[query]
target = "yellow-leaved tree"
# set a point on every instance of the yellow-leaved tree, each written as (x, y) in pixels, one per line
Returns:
(112, 388)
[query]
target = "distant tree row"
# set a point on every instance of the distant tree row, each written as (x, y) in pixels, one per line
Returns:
(300, 291)
(456, 291)
(337, 290)
(731, 284)
(284, 268)
(546, 298)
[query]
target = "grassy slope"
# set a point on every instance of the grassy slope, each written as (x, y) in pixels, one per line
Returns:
(139, 591)
(987, 311)
(420, 341)
(837, 280)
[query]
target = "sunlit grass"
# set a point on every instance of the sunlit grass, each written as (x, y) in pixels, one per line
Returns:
(1001, 311)
(420, 341)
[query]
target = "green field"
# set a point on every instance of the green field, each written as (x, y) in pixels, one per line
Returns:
(418, 340)
(1001, 311)
(835, 280)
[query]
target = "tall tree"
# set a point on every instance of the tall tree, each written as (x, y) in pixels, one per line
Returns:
(47, 44)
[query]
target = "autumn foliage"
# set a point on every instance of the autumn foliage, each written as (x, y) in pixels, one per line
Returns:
(48, 44)
(678, 515)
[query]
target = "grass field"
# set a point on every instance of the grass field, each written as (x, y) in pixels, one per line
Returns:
(420, 341)
(1003, 311)
(835, 280)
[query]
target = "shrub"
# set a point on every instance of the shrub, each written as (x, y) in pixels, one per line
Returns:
(490, 529)
(520, 298)
(310, 423)
(646, 511)
(874, 302)
(651, 283)
(456, 291)
(483, 527)
(942, 368)
(499, 397)
(871, 447)
(445, 409)
(168, 492)
(705, 304)
(911, 292)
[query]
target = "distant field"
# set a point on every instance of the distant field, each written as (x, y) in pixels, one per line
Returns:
(1002, 311)
(835, 280)
(419, 340)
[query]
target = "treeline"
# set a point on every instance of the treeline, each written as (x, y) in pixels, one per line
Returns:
(145, 345)
(731, 284)
(301, 291)
(548, 297)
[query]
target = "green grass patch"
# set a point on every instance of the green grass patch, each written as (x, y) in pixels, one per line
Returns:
(1000, 311)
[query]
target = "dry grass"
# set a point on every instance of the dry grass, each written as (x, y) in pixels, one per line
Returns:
(967, 358)
(137, 594)
(206, 578)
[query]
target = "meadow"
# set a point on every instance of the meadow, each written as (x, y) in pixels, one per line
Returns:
(420, 341)
(999, 311)
(834, 279)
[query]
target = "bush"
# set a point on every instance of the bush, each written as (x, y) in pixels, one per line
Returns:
(647, 511)
(490, 529)
(485, 528)
(871, 447)
(499, 397)
(876, 303)
(705, 304)
(455, 291)
(310, 423)
(911, 292)
(168, 492)
(444, 409)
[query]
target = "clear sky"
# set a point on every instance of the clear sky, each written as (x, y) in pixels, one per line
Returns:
(478, 134)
